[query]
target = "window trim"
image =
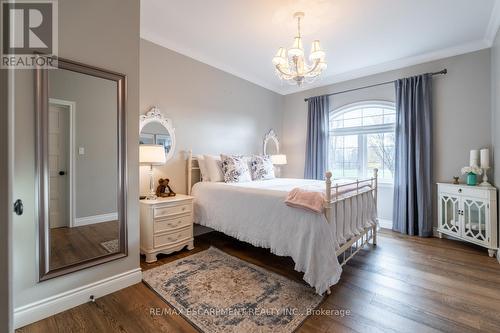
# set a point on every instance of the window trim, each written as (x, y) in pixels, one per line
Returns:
(362, 130)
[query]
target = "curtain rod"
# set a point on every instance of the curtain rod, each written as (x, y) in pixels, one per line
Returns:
(444, 71)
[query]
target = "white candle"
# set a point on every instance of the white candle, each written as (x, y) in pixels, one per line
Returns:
(485, 158)
(474, 157)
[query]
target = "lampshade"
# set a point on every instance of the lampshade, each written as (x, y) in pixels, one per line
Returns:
(278, 159)
(316, 51)
(280, 57)
(152, 154)
(297, 48)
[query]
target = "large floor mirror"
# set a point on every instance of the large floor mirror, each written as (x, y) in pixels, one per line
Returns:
(81, 165)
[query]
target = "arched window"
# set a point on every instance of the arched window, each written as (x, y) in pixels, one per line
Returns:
(361, 139)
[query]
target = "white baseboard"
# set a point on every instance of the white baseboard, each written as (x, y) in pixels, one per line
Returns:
(79, 221)
(386, 224)
(44, 308)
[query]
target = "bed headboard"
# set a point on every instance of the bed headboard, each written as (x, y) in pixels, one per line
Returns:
(193, 171)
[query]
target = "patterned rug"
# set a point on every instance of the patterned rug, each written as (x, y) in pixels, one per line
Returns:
(110, 246)
(220, 293)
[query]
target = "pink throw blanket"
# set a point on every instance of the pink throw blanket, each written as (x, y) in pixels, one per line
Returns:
(308, 200)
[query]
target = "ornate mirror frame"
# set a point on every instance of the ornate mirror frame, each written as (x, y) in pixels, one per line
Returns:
(154, 115)
(270, 136)
(42, 167)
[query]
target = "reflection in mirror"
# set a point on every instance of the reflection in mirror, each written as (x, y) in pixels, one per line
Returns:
(83, 170)
(156, 129)
(271, 144)
(155, 133)
(81, 167)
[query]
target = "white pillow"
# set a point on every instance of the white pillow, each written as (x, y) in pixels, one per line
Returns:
(235, 169)
(203, 168)
(213, 166)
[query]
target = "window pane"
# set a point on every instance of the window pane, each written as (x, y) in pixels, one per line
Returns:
(368, 112)
(373, 120)
(354, 122)
(337, 124)
(351, 141)
(389, 119)
(353, 114)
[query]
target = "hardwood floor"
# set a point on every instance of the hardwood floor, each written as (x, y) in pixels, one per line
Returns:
(405, 284)
(71, 245)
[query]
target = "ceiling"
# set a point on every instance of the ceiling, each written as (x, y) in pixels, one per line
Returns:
(360, 37)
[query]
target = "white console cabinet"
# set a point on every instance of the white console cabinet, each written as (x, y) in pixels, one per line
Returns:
(469, 213)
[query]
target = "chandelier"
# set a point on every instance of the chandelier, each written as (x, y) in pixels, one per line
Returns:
(291, 65)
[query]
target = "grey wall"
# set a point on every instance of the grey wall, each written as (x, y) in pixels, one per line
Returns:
(95, 131)
(461, 111)
(103, 34)
(212, 111)
(5, 207)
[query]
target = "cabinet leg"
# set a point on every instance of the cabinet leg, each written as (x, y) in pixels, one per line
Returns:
(440, 235)
(150, 257)
(491, 252)
(190, 245)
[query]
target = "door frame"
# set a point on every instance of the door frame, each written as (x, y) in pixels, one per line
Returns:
(71, 107)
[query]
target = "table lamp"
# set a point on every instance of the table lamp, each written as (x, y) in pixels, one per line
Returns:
(151, 155)
(278, 160)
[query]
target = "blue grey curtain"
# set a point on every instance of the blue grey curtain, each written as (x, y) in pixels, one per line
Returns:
(317, 137)
(412, 213)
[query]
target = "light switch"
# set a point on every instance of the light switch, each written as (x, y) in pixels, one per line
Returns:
(81, 151)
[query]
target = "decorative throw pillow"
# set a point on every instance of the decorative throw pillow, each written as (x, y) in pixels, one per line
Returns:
(235, 169)
(261, 167)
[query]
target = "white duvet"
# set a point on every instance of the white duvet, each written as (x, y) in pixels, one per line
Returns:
(255, 212)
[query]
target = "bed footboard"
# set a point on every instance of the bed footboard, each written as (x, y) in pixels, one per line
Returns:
(356, 243)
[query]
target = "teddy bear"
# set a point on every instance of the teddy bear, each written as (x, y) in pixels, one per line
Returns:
(164, 190)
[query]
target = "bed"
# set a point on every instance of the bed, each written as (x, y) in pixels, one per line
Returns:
(319, 244)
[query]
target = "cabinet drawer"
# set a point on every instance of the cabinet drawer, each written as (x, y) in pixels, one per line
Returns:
(162, 225)
(172, 210)
(172, 238)
(469, 191)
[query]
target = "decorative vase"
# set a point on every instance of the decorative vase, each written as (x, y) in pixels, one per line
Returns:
(471, 179)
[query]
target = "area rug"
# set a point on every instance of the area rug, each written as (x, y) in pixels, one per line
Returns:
(110, 246)
(217, 292)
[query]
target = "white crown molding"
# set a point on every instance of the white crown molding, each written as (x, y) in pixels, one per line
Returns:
(159, 40)
(493, 24)
(47, 307)
(392, 65)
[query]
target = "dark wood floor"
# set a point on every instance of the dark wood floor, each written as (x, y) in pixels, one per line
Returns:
(71, 245)
(405, 284)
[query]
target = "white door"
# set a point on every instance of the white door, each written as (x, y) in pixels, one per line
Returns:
(475, 215)
(58, 165)
(449, 214)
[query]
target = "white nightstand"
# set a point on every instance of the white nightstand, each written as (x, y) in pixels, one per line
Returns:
(166, 225)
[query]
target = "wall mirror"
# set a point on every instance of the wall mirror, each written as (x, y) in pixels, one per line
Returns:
(271, 144)
(156, 129)
(81, 164)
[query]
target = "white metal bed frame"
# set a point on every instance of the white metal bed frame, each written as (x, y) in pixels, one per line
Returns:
(353, 245)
